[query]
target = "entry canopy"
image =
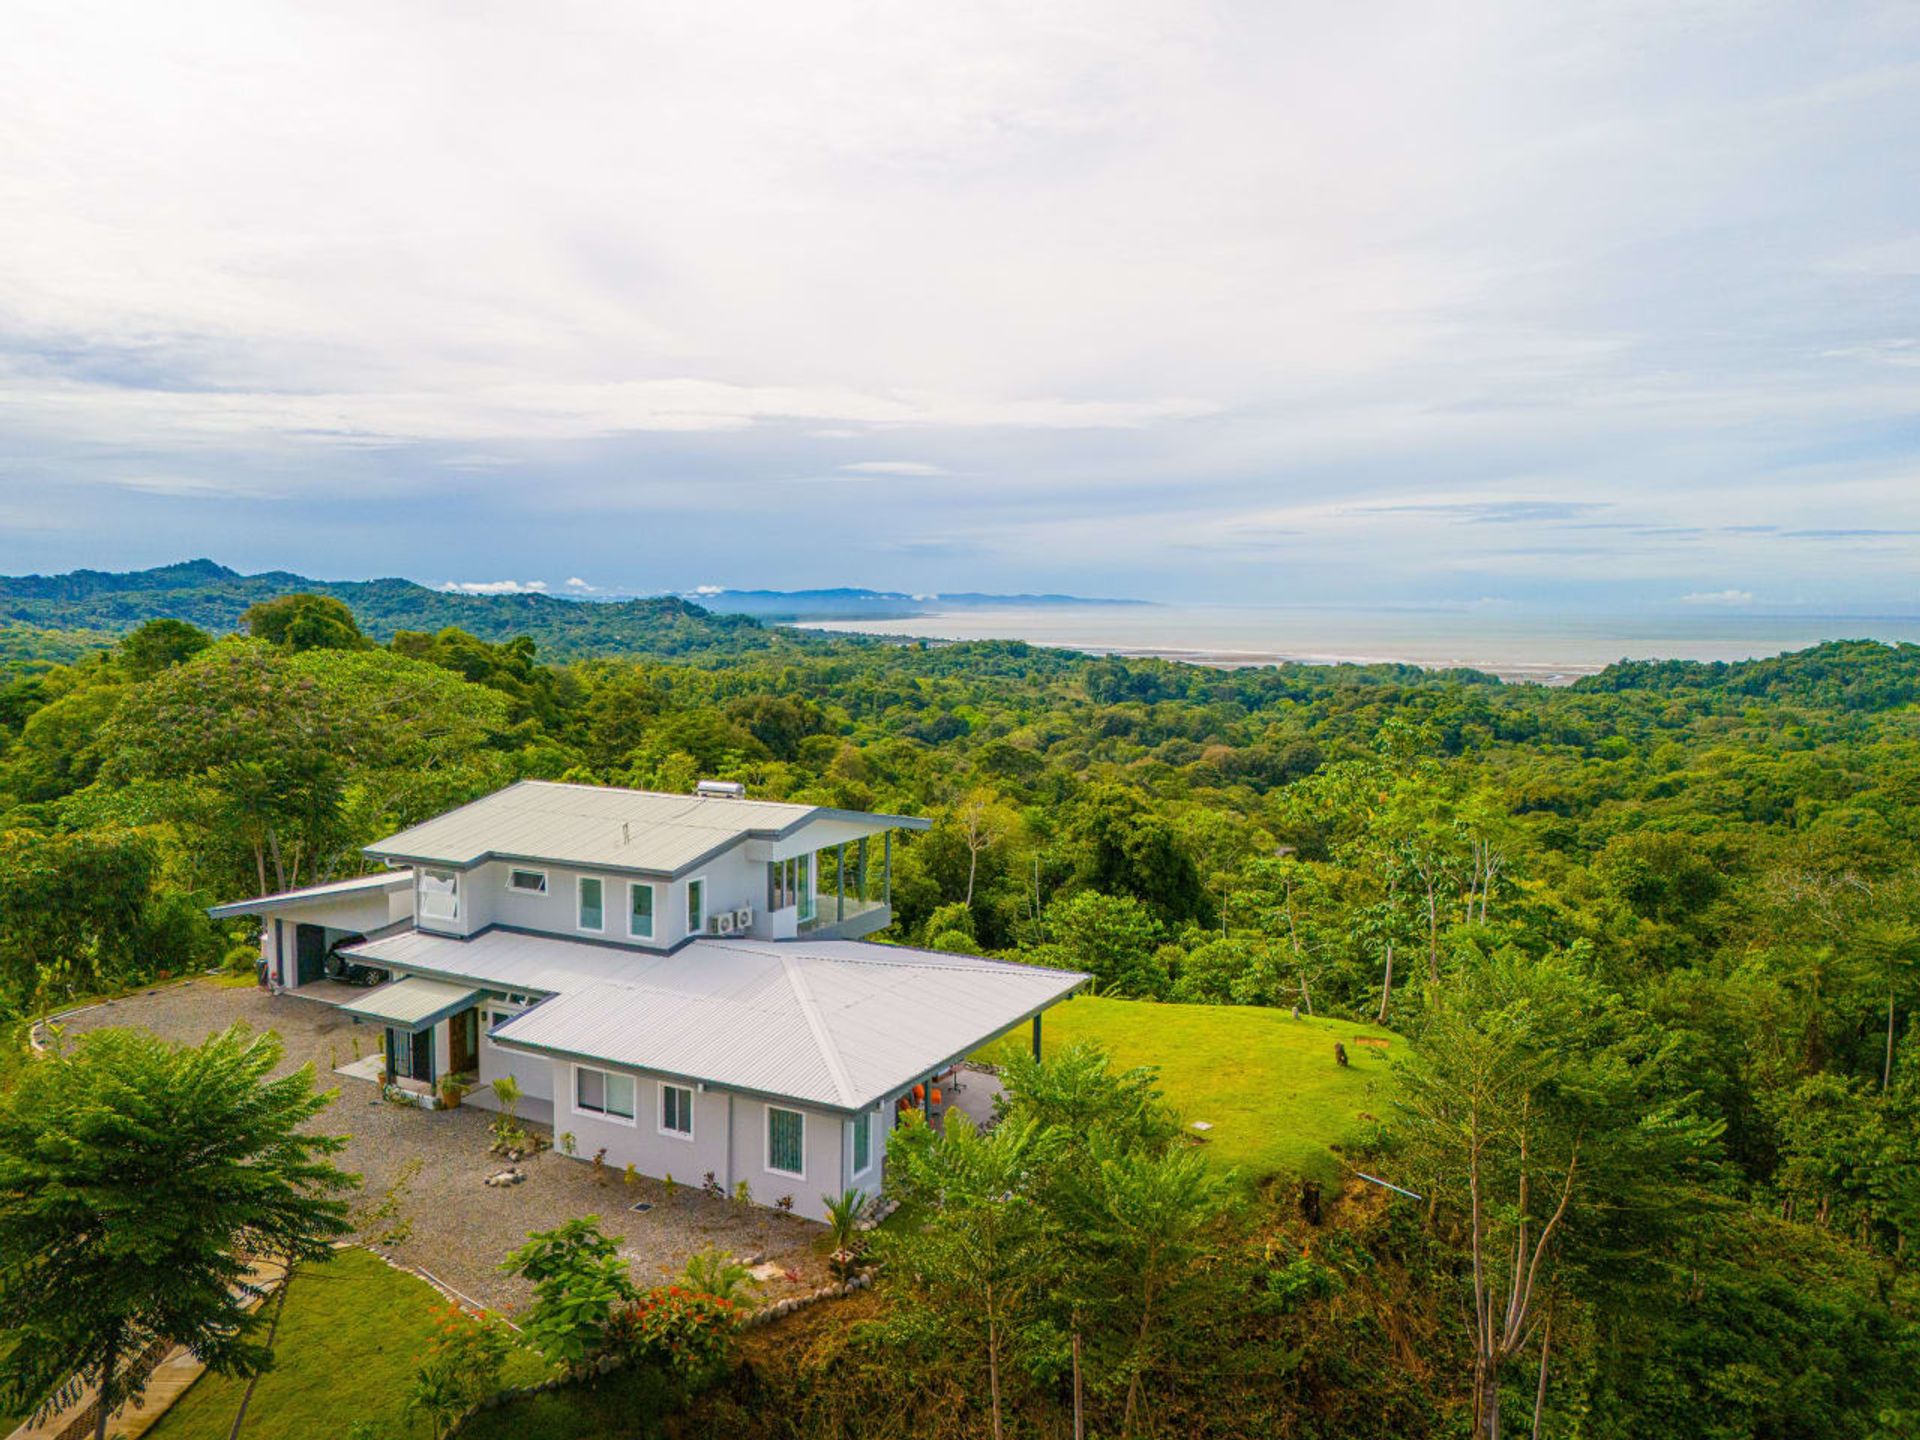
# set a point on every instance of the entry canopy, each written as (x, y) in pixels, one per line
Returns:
(413, 1004)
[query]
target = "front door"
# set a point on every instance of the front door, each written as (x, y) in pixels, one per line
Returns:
(463, 1043)
(423, 1056)
(310, 953)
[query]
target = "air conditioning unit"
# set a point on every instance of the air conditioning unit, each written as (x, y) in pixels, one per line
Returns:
(721, 924)
(743, 918)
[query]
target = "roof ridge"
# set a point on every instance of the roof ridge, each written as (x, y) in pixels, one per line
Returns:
(842, 1081)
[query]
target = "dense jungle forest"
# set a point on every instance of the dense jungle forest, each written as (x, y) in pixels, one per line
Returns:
(1653, 941)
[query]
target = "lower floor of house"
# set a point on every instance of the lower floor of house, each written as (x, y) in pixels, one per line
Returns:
(763, 1148)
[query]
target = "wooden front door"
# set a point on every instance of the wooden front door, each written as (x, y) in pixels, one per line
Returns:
(463, 1042)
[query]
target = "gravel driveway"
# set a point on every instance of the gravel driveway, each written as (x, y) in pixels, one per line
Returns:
(460, 1227)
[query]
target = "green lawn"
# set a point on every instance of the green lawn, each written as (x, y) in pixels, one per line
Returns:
(1266, 1082)
(626, 1405)
(352, 1331)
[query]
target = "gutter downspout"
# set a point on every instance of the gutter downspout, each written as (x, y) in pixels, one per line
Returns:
(729, 1142)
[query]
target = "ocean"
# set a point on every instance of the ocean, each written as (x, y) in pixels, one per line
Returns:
(1507, 641)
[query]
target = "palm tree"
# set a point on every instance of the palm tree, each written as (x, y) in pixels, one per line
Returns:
(843, 1228)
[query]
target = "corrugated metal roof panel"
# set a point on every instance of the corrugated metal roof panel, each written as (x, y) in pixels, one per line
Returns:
(838, 1023)
(382, 880)
(412, 1003)
(596, 826)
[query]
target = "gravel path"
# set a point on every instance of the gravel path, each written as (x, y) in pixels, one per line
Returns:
(461, 1228)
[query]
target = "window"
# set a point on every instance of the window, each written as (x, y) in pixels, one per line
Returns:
(786, 1142)
(863, 1142)
(696, 906)
(439, 895)
(527, 882)
(593, 908)
(601, 1092)
(640, 909)
(676, 1111)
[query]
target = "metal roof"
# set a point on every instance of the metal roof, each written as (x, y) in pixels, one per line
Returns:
(413, 1003)
(835, 1023)
(604, 827)
(382, 880)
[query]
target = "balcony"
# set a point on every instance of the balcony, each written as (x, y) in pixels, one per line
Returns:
(845, 917)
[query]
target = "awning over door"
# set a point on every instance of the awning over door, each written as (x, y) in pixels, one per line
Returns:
(413, 1004)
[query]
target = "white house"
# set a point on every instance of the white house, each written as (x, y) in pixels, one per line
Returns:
(677, 980)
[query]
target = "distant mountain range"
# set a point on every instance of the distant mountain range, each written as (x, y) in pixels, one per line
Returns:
(107, 604)
(214, 597)
(849, 603)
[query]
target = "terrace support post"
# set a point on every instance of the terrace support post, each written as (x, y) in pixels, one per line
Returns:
(860, 869)
(926, 1099)
(840, 881)
(886, 867)
(1036, 1037)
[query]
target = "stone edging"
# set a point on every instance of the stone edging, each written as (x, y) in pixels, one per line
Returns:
(39, 1046)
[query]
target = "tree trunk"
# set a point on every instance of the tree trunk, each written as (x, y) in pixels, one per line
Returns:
(973, 864)
(1139, 1350)
(1306, 994)
(273, 1328)
(1886, 1066)
(109, 1358)
(1079, 1412)
(993, 1374)
(1540, 1391)
(1386, 990)
(1433, 934)
(1486, 1402)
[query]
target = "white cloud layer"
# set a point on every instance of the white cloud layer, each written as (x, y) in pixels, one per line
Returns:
(1244, 300)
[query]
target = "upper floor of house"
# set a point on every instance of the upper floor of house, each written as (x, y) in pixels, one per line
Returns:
(645, 869)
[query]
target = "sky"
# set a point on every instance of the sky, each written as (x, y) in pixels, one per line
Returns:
(1562, 306)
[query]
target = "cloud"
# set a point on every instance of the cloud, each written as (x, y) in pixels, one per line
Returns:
(1718, 597)
(496, 587)
(1497, 512)
(574, 582)
(1129, 347)
(892, 467)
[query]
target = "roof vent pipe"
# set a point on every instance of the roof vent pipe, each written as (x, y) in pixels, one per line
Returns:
(720, 790)
(626, 833)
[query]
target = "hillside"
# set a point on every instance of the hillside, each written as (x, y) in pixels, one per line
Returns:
(214, 597)
(1276, 1102)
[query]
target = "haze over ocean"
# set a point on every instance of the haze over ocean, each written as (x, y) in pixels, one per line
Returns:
(1511, 641)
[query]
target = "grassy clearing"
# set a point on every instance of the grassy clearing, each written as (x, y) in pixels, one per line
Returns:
(1266, 1082)
(352, 1331)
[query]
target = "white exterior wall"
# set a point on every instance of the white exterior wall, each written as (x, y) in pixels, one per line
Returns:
(486, 899)
(533, 1072)
(653, 1153)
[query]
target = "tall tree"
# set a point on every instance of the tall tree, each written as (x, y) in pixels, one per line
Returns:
(137, 1181)
(1526, 1110)
(980, 1253)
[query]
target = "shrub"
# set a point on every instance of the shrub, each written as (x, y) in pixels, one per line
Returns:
(715, 1272)
(461, 1367)
(685, 1331)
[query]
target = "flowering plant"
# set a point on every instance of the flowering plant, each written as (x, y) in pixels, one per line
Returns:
(688, 1331)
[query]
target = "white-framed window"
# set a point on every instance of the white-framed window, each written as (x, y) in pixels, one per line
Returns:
(605, 1093)
(676, 1111)
(593, 903)
(786, 1142)
(439, 895)
(697, 905)
(862, 1127)
(640, 909)
(527, 882)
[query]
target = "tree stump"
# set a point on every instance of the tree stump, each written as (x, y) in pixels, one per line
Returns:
(1339, 1053)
